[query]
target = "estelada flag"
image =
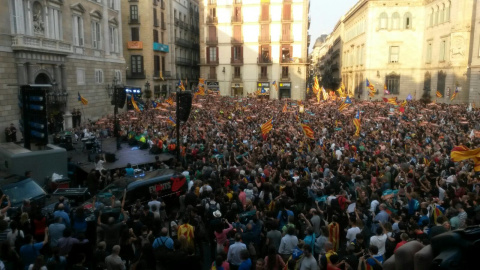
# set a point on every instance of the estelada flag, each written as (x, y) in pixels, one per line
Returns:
(267, 126)
(83, 100)
(439, 94)
(308, 131)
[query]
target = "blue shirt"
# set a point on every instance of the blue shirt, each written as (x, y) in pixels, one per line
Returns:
(282, 222)
(245, 265)
(234, 251)
(64, 216)
(130, 172)
(163, 241)
(29, 253)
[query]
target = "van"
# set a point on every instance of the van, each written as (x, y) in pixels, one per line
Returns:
(167, 183)
(19, 189)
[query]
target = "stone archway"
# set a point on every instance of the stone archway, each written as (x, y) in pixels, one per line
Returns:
(42, 78)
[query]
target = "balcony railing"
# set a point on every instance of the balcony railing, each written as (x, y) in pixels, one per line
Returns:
(264, 60)
(264, 19)
(183, 42)
(237, 19)
(285, 76)
(263, 76)
(134, 19)
(212, 41)
(237, 2)
(264, 39)
(238, 40)
(176, 22)
(155, 23)
(285, 38)
(183, 61)
(212, 20)
(131, 75)
(164, 26)
(287, 18)
(236, 60)
(212, 2)
(167, 74)
(212, 62)
(212, 76)
(236, 77)
(132, 0)
(22, 42)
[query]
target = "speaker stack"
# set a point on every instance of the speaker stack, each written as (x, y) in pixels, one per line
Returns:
(185, 105)
(119, 97)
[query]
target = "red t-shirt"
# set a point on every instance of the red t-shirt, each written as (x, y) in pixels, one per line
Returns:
(332, 267)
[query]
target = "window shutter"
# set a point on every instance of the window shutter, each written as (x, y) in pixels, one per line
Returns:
(94, 36)
(75, 30)
(241, 52)
(208, 54)
(81, 34)
(216, 55)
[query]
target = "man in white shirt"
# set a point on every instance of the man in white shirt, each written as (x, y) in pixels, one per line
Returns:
(353, 231)
(235, 250)
(379, 239)
(288, 243)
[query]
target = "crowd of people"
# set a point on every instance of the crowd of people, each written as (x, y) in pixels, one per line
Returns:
(277, 200)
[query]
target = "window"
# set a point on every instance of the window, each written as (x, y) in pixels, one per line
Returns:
(383, 21)
(114, 39)
(287, 11)
(80, 76)
(408, 20)
(237, 52)
(263, 72)
(361, 54)
(394, 54)
(155, 19)
(427, 82)
(286, 31)
(431, 18)
(163, 63)
(118, 75)
(161, 38)
(212, 51)
(77, 28)
(447, 11)
(443, 47)
(429, 52)
(98, 76)
(393, 83)
(134, 13)
(436, 15)
(135, 34)
(137, 64)
(442, 14)
(96, 35)
(17, 20)
(396, 21)
(284, 72)
(155, 35)
(236, 71)
(156, 65)
(265, 12)
(442, 77)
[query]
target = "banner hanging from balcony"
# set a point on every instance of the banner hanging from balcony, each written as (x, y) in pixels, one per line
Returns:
(159, 47)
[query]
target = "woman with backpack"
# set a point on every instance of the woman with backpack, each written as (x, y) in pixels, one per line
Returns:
(15, 236)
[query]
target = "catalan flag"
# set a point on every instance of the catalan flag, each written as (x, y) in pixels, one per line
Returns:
(267, 126)
(308, 131)
(426, 161)
(325, 95)
(285, 108)
(316, 86)
(333, 96)
(460, 153)
(392, 101)
(180, 85)
(83, 100)
(404, 104)
(345, 104)
(171, 121)
(161, 75)
(276, 85)
(134, 104)
(439, 94)
(201, 81)
(169, 100)
(357, 123)
(454, 94)
(439, 211)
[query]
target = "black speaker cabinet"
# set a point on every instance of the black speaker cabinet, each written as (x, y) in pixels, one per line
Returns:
(185, 105)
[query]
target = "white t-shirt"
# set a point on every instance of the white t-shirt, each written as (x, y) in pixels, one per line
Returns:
(441, 193)
(352, 233)
(379, 241)
(373, 206)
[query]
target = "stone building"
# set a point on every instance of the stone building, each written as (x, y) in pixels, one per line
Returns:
(74, 45)
(247, 45)
(413, 47)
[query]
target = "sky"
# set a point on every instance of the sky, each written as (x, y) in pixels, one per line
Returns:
(325, 15)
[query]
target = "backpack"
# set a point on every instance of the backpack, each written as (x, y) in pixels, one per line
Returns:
(211, 209)
(161, 252)
(335, 205)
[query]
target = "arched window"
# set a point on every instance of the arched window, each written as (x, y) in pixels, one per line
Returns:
(442, 14)
(407, 19)
(395, 21)
(431, 18)
(447, 11)
(436, 15)
(38, 19)
(427, 82)
(383, 21)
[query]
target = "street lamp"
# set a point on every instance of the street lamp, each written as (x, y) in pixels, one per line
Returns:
(112, 91)
(111, 88)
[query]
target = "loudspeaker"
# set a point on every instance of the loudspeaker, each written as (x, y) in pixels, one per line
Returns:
(110, 157)
(185, 105)
(120, 97)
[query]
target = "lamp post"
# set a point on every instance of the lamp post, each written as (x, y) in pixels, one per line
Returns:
(112, 91)
(148, 94)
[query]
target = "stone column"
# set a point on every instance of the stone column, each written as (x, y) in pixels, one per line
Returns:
(21, 73)
(63, 78)
(57, 76)
(30, 70)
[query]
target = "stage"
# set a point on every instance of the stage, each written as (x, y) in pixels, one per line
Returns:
(128, 154)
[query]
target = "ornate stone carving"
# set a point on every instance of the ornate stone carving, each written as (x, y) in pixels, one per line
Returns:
(458, 47)
(38, 25)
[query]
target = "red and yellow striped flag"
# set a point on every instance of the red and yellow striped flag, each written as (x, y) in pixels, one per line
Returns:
(169, 100)
(460, 153)
(267, 126)
(439, 94)
(285, 108)
(134, 104)
(308, 131)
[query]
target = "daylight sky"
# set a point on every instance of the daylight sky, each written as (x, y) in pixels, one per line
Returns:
(325, 14)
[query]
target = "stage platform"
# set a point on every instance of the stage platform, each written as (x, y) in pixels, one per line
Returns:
(128, 154)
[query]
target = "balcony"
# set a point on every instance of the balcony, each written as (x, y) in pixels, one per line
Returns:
(286, 39)
(135, 76)
(263, 76)
(212, 41)
(236, 61)
(164, 26)
(237, 2)
(155, 23)
(183, 61)
(236, 77)
(196, 46)
(237, 19)
(162, 4)
(212, 76)
(237, 40)
(264, 39)
(288, 18)
(264, 19)
(212, 2)
(134, 19)
(167, 74)
(183, 42)
(294, 60)
(44, 44)
(264, 60)
(212, 20)
(176, 22)
(211, 62)
(285, 76)
(132, 0)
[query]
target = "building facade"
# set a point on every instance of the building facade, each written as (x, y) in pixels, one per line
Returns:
(412, 47)
(247, 45)
(73, 45)
(185, 46)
